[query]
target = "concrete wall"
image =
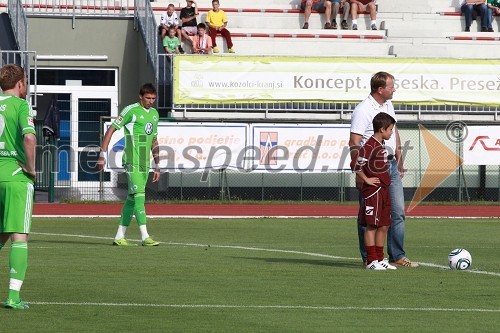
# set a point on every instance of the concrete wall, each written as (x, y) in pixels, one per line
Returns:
(115, 38)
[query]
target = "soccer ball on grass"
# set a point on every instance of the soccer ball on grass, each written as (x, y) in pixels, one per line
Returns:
(459, 259)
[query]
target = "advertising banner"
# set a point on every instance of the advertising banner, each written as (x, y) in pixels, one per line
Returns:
(286, 148)
(189, 146)
(300, 148)
(214, 80)
(481, 145)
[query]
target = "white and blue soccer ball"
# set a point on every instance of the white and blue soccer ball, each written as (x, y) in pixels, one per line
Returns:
(459, 259)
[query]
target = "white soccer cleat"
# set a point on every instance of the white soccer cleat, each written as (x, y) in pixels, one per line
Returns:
(376, 266)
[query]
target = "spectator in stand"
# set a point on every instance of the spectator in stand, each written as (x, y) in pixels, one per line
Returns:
(470, 9)
(493, 9)
(170, 19)
(363, 6)
(171, 43)
(217, 22)
(322, 6)
(202, 44)
(188, 18)
(337, 5)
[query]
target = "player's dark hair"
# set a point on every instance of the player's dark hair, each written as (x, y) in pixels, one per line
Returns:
(202, 26)
(147, 88)
(10, 75)
(379, 80)
(214, 1)
(382, 120)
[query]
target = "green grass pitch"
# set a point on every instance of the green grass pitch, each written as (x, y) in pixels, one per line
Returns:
(252, 275)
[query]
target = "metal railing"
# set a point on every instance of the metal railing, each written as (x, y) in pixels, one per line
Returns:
(80, 7)
(338, 111)
(145, 22)
(46, 161)
(19, 23)
(27, 60)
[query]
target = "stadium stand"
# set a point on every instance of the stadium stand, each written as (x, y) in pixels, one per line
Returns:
(425, 29)
(273, 27)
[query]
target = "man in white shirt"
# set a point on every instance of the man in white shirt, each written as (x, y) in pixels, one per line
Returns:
(379, 100)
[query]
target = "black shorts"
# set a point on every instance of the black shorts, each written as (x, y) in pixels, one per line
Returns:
(316, 6)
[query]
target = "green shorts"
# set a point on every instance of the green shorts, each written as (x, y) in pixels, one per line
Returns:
(16, 205)
(137, 177)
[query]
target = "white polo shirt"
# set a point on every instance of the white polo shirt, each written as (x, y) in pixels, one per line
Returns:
(362, 117)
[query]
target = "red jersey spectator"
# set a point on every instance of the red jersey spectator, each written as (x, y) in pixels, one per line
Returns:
(375, 212)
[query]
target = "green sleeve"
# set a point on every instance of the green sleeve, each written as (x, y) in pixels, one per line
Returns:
(123, 118)
(25, 118)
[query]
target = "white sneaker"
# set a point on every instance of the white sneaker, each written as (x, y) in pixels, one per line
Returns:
(386, 265)
(375, 265)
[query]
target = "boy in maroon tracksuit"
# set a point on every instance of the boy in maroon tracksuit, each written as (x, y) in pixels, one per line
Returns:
(375, 211)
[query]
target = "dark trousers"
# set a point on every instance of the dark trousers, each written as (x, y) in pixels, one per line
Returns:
(225, 33)
(470, 13)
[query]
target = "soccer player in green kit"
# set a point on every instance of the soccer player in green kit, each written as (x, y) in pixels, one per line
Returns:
(140, 121)
(17, 165)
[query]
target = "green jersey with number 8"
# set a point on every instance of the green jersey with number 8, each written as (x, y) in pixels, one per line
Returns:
(141, 126)
(16, 120)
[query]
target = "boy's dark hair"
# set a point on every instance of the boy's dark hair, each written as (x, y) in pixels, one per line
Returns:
(382, 120)
(147, 88)
(171, 28)
(379, 80)
(214, 1)
(10, 75)
(202, 26)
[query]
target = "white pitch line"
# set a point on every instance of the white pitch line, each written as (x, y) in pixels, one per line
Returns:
(249, 248)
(279, 307)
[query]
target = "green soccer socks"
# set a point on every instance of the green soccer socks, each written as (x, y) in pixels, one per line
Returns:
(140, 209)
(127, 211)
(18, 263)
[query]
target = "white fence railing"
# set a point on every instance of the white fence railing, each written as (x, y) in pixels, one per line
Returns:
(19, 23)
(27, 60)
(145, 22)
(80, 7)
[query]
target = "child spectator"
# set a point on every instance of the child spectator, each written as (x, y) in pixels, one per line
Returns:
(217, 22)
(202, 44)
(322, 6)
(375, 212)
(363, 6)
(346, 8)
(171, 43)
(170, 19)
(188, 18)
